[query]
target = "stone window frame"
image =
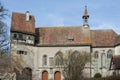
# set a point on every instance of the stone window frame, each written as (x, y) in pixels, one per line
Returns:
(51, 61)
(21, 52)
(44, 60)
(109, 54)
(15, 36)
(96, 54)
(20, 36)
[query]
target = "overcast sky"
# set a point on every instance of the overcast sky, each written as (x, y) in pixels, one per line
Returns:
(104, 14)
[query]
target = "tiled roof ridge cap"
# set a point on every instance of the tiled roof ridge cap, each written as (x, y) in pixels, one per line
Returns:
(60, 27)
(102, 29)
(21, 13)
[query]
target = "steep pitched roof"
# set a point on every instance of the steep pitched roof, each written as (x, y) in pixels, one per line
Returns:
(117, 40)
(63, 35)
(102, 38)
(80, 36)
(115, 62)
(20, 24)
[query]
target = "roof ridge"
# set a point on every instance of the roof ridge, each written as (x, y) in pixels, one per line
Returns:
(60, 27)
(102, 29)
(20, 13)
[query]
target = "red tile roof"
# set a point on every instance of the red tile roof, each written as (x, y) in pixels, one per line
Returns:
(117, 40)
(81, 36)
(63, 35)
(20, 24)
(115, 62)
(103, 38)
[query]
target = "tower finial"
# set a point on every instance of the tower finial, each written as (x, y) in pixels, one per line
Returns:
(85, 13)
(85, 17)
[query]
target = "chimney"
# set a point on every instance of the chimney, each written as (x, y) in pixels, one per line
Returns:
(27, 15)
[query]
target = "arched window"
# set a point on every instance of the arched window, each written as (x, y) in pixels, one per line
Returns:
(58, 58)
(96, 55)
(44, 59)
(109, 54)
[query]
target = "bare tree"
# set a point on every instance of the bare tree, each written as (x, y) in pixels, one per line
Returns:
(4, 40)
(74, 63)
(3, 11)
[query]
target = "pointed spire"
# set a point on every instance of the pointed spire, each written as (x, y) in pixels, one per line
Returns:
(85, 17)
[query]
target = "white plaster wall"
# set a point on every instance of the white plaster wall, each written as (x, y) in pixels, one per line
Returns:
(117, 50)
(104, 71)
(36, 53)
(51, 51)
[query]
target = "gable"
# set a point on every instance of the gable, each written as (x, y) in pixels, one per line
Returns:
(20, 24)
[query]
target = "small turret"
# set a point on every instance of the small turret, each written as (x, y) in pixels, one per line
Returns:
(85, 18)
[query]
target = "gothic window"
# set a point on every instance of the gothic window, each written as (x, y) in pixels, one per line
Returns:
(96, 55)
(44, 60)
(109, 54)
(70, 39)
(58, 58)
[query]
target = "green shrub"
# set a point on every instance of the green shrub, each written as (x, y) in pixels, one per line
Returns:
(97, 75)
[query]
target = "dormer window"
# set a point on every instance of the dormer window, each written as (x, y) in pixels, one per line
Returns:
(70, 39)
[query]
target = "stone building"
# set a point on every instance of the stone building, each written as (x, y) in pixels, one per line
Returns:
(36, 49)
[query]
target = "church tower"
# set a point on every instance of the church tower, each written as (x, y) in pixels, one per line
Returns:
(85, 18)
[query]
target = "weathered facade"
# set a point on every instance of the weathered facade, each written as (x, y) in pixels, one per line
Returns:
(37, 48)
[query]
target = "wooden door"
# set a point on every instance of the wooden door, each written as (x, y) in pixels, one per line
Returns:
(57, 76)
(45, 75)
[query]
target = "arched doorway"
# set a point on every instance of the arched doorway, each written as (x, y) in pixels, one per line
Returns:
(57, 75)
(26, 74)
(44, 75)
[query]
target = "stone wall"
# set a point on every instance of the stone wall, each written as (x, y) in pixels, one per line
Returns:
(7, 76)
